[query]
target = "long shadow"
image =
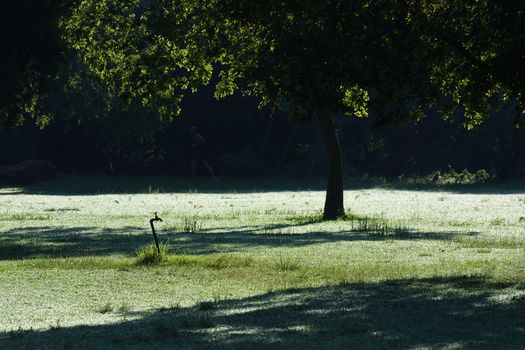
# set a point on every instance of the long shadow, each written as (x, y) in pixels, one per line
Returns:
(456, 313)
(51, 242)
(93, 185)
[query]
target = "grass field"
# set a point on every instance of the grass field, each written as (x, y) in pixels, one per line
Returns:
(252, 266)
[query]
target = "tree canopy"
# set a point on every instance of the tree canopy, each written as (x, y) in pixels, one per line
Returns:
(334, 56)
(478, 52)
(30, 54)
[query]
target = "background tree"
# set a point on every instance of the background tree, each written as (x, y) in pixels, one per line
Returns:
(478, 53)
(123, 132)
(31, 50)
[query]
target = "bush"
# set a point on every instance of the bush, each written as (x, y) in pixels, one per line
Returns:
(462, 178)
(450, 177)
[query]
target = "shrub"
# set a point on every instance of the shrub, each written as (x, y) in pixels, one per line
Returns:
(449, 177)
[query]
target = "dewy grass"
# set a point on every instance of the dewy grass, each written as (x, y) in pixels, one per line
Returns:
(68, 263)
(25, 217)
(149, 255)
(106, 308)
(272, 267)
(286, 264)
(493, 243)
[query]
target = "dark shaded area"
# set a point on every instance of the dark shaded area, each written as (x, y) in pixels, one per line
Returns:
(31, 53)
(46, 241)
(458, 312)
(93, 185)
(243, 142)
(103, 184)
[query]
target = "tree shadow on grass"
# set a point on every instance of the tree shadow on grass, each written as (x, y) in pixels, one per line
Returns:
(93, 185)
(40, 242)
(458, 313)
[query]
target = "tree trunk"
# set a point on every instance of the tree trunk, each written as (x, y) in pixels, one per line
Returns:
(333, 206)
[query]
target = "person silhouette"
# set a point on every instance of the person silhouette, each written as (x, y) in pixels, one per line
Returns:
(199, 154)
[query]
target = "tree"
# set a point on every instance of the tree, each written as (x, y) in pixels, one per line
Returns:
(478, 53)
(30, 54)
(123, 132)
(325, 59)
(318, 59)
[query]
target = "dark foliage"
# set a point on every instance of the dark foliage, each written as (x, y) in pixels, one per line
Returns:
(31, 50)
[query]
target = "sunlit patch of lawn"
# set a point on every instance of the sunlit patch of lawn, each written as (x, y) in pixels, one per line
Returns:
(68, 265)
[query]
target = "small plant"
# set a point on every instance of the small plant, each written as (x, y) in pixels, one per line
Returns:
(379, 227)
(191, 225)
(149, 255)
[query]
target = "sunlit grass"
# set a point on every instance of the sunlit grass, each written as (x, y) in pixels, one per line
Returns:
(72, 259)
(152, 255)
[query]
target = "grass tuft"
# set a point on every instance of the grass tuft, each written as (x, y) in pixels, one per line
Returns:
(191, 225)
(378, 227)
(149, 255)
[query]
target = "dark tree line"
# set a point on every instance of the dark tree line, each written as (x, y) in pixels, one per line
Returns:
(244, 142)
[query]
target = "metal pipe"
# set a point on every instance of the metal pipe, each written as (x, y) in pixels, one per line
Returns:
(156, 218)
